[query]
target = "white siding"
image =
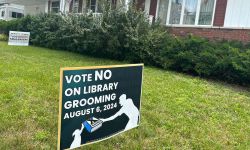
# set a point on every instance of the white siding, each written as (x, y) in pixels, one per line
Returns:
(31, 6)
(237, 14)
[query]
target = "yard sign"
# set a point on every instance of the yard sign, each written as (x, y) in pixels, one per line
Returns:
(19, 38)
(97, 103)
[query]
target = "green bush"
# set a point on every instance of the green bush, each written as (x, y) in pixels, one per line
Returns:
(3, 37)
(128, 36)
(198, 56)
(3, 27)
(6, 26)
(14, 25)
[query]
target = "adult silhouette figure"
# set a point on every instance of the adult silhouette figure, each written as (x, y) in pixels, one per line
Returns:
(77, 138)
(129, 109)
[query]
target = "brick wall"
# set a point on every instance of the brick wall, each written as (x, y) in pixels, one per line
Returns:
(214, 33)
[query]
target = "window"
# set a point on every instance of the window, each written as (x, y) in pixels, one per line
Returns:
(190, 12)
(19, 15)
(163, 10)
(13, 15)
(16, 15)
(3, 13)
(92, 5)
(175, 12)
(186, 12)
(206, 12)
(55, 6)
(75, 6)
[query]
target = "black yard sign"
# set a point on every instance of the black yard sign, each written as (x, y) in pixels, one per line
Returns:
(97, 103)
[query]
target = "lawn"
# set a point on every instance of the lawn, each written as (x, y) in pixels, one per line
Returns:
(178, 111)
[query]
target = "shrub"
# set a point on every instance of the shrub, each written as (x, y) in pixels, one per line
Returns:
(128, 36)
(198, 56)
(3, 37)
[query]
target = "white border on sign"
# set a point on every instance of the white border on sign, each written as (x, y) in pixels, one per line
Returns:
(60, 98)
(16, 42)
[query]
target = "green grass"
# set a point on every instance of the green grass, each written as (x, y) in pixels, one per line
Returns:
(178, 111)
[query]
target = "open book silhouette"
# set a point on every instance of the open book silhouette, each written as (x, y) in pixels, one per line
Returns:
(92, 124)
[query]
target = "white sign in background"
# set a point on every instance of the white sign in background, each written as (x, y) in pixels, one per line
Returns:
(19, 38)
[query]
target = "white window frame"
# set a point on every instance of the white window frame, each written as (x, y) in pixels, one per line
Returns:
(182, 15)
(55, 7)
(96, 6)
(74, 6)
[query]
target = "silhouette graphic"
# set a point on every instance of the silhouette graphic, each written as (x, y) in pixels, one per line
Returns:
(77, 138)
(129, 109)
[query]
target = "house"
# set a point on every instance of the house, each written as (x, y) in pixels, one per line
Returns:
(9, 11)
(34, 7)
(8, 8)
(84, 6)
(223, 19)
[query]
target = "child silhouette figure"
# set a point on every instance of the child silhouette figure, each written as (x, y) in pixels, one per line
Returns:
(77, 138)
